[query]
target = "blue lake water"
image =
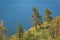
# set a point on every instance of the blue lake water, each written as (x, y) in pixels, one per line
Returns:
(14, 12)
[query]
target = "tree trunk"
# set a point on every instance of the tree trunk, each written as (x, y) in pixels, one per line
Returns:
(36, 26)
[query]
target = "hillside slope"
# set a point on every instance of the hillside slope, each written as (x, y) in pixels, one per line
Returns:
(42, 34)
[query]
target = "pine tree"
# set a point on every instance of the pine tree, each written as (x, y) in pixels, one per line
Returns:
(47, 15)
(3, 31)
(36, 17)
(20, 32)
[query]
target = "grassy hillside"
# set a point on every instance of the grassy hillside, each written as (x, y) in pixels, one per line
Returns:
(40, 35)
(43, 32)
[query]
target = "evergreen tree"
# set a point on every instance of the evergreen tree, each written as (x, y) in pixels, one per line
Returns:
(36, 17)
(47, 15)
(3, 32)
(19, 32)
